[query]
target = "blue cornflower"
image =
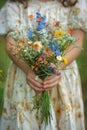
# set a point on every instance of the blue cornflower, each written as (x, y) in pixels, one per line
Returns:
(57, 52)
(54, 47)
(41, 26)
(43, 20)
(38, 15)
(30, 33)
(41, 23)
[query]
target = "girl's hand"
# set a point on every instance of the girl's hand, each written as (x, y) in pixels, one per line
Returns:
(51, 82)
(37, 85)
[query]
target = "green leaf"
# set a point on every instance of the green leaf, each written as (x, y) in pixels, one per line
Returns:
(2, 2)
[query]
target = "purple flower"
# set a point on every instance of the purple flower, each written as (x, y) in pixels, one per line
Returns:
(43, 57)
(53, 70)
(58, 73)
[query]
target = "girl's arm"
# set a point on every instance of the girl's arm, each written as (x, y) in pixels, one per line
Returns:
(12, 49)
(71, 54)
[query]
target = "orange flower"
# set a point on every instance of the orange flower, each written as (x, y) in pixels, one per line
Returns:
(50, 53)
(31, 16)
(37, 64)
(30, 44)
(38, 19)
(69, 31)
(47, 49)
(40, 59)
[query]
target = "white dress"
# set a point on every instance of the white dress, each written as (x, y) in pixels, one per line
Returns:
(66, 98)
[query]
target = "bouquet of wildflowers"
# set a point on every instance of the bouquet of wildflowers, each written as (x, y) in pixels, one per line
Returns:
(44, 51)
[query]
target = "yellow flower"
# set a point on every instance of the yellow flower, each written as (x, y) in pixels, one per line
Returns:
(37, 46)
(58, 33)
(65, 60)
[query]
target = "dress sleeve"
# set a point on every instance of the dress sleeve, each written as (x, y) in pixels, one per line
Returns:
(78, 16)
(9, 17)
(3, 21)
(13, 16)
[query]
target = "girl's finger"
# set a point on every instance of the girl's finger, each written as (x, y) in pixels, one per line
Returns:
(35, 88)
(53, 84)
(33, 76)
(52, 81)
(36, 83)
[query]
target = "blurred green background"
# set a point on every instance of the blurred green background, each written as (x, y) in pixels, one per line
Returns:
(82, 64)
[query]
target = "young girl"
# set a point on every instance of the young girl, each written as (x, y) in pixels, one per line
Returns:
(21, 86)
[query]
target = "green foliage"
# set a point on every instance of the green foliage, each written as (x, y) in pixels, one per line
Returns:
(4, 63)
(42, 105)
(2, 3)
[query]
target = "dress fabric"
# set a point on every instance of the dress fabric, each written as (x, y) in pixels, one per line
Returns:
(66, 98)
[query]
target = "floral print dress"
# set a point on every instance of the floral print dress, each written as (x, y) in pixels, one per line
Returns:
(66, 98)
